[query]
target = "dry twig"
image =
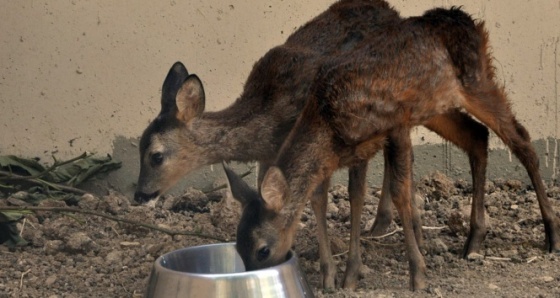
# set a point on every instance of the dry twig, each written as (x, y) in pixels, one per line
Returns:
(498, 259)
(37, 181)
(13, 177)
(22, 276)
(110, 217)
(399, 229)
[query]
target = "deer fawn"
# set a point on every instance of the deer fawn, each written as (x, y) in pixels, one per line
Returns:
(183, 137)
(406, 72)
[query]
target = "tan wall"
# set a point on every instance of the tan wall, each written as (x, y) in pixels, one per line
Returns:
(76, 74)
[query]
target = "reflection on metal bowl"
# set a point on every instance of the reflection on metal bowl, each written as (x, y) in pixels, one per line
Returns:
(216, 270)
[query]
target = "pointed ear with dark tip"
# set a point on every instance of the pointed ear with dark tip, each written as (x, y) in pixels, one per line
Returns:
(190, 99)
(240, 190)
(274, 189)
(175, 77)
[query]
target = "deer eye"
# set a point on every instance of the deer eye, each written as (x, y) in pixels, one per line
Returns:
(156, 159)
(263, 253)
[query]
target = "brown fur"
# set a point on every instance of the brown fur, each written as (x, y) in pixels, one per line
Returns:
(254, 127)
(410, 73)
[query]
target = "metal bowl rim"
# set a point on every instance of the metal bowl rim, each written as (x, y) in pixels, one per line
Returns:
(268, 271)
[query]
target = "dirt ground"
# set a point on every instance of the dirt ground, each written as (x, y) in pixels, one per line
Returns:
(75, 255)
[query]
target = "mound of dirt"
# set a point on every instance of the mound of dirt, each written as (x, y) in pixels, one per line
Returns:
(77, 255)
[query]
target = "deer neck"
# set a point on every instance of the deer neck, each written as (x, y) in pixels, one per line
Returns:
(229, 135)
(307, 158)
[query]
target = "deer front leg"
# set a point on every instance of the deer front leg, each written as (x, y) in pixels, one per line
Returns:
(319, 201)
(356, 189)
(399, 152)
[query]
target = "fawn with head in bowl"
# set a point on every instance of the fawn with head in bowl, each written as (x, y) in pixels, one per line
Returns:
(413, 71)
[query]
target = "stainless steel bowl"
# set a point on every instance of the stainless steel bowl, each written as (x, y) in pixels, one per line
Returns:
(217, 270)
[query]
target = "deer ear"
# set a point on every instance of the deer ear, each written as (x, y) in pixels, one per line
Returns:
(190, 99)
(274, 189)
(238, 187)
(173, 81)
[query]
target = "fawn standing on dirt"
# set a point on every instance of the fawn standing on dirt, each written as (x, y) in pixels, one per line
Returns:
(183, 138)
(407, 73)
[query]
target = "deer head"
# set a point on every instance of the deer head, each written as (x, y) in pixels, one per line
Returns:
(166, 153)
(266, 230)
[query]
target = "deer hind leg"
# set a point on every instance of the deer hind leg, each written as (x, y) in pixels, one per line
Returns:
(399, 153)
(356, 189)
(490, 106)
(319, 201)
(384, 215)
(472, 137)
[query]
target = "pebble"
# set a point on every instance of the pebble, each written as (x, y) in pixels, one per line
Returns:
(78, 241)
(547, 278)
(439, 246)
(493, 286)
(51, 280)
(113, 257)
(51, 247)
(475, 256)
(17, 202)
(88, 201)
(332, 208)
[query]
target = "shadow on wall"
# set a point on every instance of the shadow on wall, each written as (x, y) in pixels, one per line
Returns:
(445, 158)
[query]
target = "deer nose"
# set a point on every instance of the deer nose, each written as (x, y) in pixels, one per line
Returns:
(141, 197)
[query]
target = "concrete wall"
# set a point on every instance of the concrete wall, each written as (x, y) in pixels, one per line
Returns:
(86, 75)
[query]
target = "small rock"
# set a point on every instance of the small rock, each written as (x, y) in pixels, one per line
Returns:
(332, 208)
(169, 203)
(192, 200)
(457, 224)
(338, 245)
(365, 270)
(369, 224)
(490, 187)
(113, 257)
(492, 210)
(444, 186)
(474, 256)
(51, 280)
(78, 241)
(114, 203)
(439, 246)
(514, 184)
(510, 253)
(88, 201)
(16, 202)
(155, 249)
(514, 207)
(20, 195)
(438, 261)
(493, 287)
(52, 247)
(547, 278)
(419, 201)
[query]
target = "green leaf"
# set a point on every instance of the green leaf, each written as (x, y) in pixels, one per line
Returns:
(79, 171)
(9, 235)
(21, 166)
(10, 216)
